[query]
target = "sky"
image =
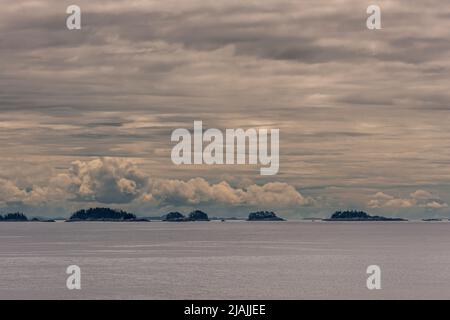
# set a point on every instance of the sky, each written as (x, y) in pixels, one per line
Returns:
(86, 115)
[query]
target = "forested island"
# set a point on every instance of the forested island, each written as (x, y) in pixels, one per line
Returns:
(264, 216)
(15, 217)
(103, 214)
(196, 215)
(20, 217)
(351, 215)
(117, 215)
(174, 217)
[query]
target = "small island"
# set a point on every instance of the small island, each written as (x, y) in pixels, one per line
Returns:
(358, 216)
(38, 219)
(264, 216)
(103, 214)
(174, 217)
(196, 215)
(20, 217)
(14, 217)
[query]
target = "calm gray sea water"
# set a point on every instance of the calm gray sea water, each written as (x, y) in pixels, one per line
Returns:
(229, 260)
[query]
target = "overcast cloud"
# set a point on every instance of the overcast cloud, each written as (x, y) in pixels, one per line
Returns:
(86, 116)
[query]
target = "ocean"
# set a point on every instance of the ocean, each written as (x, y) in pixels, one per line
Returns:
(225, 260)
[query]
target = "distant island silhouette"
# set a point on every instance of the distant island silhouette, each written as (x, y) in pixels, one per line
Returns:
(358, 216)
(103, 214)
(196, 215)
(117, 215)
(17, 216)
(20, 217)
(174, 217)
(264, 216)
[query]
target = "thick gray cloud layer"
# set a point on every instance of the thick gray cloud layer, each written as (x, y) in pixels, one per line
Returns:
(361, 113)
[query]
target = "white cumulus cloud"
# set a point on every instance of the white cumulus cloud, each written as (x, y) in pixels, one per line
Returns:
(120, 181)
(418, 198)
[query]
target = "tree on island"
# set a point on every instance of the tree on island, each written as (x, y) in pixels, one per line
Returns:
(354, 215)
(263, 216)
(174, 216)
(100, 214)
(350, 214)
(17, 216)
(198, 215)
